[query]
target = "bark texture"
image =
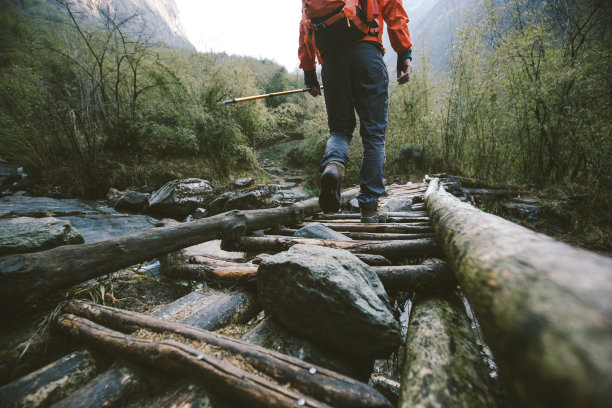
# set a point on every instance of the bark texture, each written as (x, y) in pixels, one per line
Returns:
(442, 366)
(544, 306)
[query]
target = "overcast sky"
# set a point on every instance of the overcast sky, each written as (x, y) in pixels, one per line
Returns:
(261, 29)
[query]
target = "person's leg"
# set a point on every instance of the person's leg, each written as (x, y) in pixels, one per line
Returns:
(371, 101)
(341, 121)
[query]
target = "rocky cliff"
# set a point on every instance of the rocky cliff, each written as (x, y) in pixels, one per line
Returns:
(157, 19)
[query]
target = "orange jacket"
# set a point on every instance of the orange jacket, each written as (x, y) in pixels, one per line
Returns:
(392, 12)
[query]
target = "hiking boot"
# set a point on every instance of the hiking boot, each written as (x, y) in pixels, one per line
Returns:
(330, 198)
(373, 215)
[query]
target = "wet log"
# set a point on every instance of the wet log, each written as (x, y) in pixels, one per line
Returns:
(320, 383)
(25, 279)
(232, 308)
(186, 396)
(50, 383)
(109, 389)
(442, 366)
(388, 249)
(544, 306)
(412, 278)
(383, 228)
(220, 274)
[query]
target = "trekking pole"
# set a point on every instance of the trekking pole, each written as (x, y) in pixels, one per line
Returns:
(268, 95)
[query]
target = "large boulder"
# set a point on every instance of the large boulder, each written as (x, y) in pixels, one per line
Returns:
(180, 198)
(318, 230)
(127, 200)
(26, 234)
(256, 198)
(329, 295)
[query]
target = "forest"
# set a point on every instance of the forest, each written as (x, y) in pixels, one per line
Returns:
(527, 100)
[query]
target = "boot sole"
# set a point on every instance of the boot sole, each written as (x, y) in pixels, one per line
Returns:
(330, 198)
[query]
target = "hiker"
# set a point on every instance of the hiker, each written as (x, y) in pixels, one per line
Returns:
(346, 38)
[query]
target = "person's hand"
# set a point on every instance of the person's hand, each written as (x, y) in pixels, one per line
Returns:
(311, 82)
(404, 71)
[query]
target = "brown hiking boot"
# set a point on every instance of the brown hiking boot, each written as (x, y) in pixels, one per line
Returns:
(330, 198)
(373, 215)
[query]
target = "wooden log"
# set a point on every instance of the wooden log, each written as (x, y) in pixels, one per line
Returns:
(50, 383)
(412, 278)
(220, 274)
(25, 279)
(411, 221)
(377, 228)
(544, 306)
(321, 383)
(356, 216)
(442, 365)
(233, 308)
(372, 236)
(213, 262)
(478, 183)
(186, 396)
(487, 193)
(109, 389)
(388, 249)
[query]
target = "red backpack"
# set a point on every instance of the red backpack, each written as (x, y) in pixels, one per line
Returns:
(333, 23)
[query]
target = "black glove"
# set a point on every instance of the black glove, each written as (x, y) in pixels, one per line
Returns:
(311, 81)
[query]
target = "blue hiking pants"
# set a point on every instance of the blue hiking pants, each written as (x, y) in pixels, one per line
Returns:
(355, 78)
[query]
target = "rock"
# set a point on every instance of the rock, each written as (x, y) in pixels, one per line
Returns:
(216, 206)
(275, 170)
(354, 205)
(318, 230)
(259, 197)
(19, 205)
(398, 204)
(286, 197)
(330, 296)
(528, 212)
(294, 179)
(180, 198)
(26, 234)
(243, 182)
(127, 200)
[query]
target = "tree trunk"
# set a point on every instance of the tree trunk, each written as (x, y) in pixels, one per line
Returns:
(109, 389)
(27, 278)
(442, 366)
(323, 384)
(544, 306)
(50, 383)
(388, 249)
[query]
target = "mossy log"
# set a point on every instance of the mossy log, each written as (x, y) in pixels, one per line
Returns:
(388, 249)
(25, 279)
(325, 385)
(382, 228)
(423, 278)
(109, 389)
(50, 383)
(443, 367)
(544, 306)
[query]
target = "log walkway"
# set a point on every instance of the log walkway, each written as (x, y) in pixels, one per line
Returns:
(543, 310)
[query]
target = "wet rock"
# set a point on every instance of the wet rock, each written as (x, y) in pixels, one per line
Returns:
(331, 296)
(127, 200)
(294, 179)
(286, 197)
(26, 234)
(258, 197)
(354, 205)
(398, 204)
(180, 198)
(23, 206)
(318, 230)
(275, 170)
(243, 182)
(216, 206)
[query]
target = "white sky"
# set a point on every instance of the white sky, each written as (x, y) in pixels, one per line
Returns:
(257, 28)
